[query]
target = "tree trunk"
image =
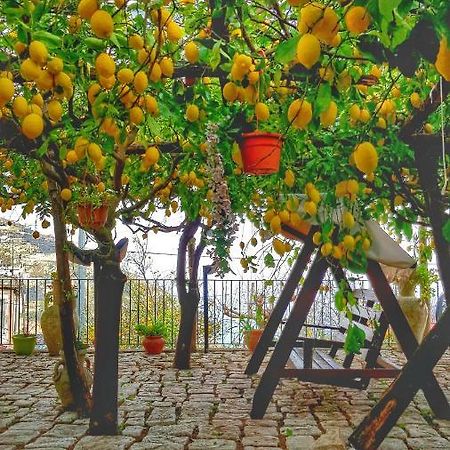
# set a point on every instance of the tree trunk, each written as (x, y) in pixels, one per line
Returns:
(189, 306)
(109, 285)
(78, 386)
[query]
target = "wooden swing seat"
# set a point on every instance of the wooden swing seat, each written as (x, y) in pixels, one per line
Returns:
(314, 359)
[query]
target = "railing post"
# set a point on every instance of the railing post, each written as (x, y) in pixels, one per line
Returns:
(206, 271)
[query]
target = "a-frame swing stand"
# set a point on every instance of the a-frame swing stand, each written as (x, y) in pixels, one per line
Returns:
(276, 367)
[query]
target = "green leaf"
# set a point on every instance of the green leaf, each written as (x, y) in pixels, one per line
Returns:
(339, 300)
(3, 56)
(286, 50)
(446, 230)
(387, 6)
(94, 43)
(323, 97)
(50, 39)
(214, 59)
(269, 261)
(354, 339)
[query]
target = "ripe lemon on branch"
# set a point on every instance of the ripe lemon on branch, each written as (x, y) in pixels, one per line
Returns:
(366, 157)
(308, 50)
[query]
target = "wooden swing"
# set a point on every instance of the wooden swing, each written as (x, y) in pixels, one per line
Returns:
(314, 360)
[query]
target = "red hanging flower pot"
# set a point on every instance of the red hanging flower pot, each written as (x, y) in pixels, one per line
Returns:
(261, 152)
(91, 216)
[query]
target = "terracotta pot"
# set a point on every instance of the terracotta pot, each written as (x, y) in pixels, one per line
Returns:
(153, 345)
(261, 152)
(92, 217)
(251, 338)
(24, 344)
(416, 313)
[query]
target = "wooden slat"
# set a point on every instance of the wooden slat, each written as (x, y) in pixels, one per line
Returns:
(320, 360)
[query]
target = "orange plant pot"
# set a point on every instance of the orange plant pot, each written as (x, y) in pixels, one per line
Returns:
(91, 217)
(261, 152)
(252, 339)
(153, 345)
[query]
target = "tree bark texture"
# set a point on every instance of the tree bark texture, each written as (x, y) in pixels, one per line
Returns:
(188, 296)
(109, 285)
(78, 386)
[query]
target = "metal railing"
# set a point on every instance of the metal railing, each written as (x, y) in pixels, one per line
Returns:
(22, 304)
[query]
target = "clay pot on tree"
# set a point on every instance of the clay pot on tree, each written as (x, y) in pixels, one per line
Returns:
(153, 336)
(261, 152)
(91, 216)
(51, 324)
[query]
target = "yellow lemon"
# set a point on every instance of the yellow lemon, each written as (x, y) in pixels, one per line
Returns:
(136, 42)
(6, 90)
(167, 68)
(55, 66)
(192, 113)
(415, 100)
(151, 155)
(71, 157)
(357, 19)
(366, 157)
(29, 70)
(86, 8)
(140, 82)
(442, 63)
(308, 50)
(261, 111)
(310, 208)
(348, 220)
(66, 194)
(54, 110)
(328, 117)
(275, 224)
(125, 75)
(32, 126)
(102, 24)
(230, 92)
(136, 115)
(326, 249)
(174, 32)
(317, 237)
(20, 106)
(94, 152)
(191, 52)
(300, 113)
(289, 178)
(349, 242)
(278, 246)
(38, 52)
(105, 65)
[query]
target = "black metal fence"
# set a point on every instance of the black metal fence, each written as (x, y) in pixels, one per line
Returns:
(218, 322)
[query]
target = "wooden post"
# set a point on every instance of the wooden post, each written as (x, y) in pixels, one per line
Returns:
(288, 337)
(374, 428)
(280, 307)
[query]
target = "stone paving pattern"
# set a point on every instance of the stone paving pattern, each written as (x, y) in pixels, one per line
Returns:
(205, 408)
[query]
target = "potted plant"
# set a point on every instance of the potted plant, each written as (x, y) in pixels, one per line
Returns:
(24, 343)
(153, 336)
(92, 208)
(261, 152)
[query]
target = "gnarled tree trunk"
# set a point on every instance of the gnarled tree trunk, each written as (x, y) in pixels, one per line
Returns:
(78, 386)
(188, 295)
(109, 285)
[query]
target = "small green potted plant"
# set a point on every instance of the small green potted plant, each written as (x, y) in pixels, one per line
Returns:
(154, 336)
(24, 343)
(253, 327)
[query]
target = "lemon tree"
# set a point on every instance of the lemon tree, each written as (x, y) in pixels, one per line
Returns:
(111, 101)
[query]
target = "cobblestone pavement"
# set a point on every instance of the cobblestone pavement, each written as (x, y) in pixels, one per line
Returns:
(206, 408)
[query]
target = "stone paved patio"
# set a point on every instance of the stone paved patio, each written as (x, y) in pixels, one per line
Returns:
(206, 408)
